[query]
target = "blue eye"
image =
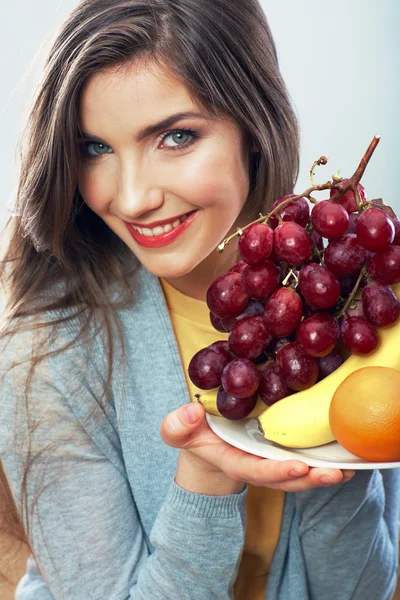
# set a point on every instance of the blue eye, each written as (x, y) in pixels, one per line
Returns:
(181, 139)
(176, 135)
(98, 149)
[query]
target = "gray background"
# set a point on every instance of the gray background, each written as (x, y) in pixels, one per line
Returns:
(340, 59)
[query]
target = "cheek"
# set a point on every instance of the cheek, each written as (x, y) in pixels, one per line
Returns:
(212, 177)
(95, 190)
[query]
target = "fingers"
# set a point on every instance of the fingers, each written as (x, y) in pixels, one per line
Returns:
(288, 475)
(262, 471)
(316, 477)
(182, 429)
(178, 426)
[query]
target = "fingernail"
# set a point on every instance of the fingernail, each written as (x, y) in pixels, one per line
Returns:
(190, 413)
(347, 475)
(297, 472)
(326, 479)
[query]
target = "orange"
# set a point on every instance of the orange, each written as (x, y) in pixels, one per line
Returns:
(364, 414)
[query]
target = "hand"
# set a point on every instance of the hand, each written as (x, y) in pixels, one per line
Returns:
(208, 463)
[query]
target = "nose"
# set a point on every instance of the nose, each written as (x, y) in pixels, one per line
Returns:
(137, 193)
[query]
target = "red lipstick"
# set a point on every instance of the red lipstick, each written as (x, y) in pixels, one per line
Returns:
(156, 241)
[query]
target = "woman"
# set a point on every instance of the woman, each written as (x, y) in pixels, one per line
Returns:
(158, 128)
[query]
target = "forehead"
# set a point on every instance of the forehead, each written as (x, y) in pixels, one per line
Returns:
(139, 91)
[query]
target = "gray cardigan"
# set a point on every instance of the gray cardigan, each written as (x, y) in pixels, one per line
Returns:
(112, 522)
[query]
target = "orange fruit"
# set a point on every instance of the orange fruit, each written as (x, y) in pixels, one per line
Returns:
(364, 414)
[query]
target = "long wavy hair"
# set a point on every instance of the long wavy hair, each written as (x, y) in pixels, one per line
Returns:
(224, 53)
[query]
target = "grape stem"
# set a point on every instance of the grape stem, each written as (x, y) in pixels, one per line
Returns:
(354, 180)
(288, 276)
(353, 292)
(342, 188)
(321, 161)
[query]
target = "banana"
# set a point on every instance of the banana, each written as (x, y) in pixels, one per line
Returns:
(302, 420)
(209, 400)
(257, 410)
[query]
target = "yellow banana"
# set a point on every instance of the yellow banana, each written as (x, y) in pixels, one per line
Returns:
(257, 410)
(209, 400)
(302, 420)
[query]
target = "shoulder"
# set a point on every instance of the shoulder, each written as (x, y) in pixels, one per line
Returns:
(52, 355)
(53, 389)
(68, 336)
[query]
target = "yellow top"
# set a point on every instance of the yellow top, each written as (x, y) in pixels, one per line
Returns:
(264, 507)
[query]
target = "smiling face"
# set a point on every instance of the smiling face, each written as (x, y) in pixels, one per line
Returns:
(143, 183)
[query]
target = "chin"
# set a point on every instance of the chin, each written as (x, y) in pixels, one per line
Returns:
(172, 271)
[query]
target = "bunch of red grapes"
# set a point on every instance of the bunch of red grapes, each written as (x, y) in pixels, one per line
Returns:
(290, 304)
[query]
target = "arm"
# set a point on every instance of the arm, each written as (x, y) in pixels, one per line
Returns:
(349, 537)
(85, 529)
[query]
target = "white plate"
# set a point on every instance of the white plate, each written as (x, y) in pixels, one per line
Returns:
(246, 436)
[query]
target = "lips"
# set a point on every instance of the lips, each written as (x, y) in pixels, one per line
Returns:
(163, 239)
(161, 223)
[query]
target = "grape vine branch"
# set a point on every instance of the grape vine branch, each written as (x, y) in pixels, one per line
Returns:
(353, 292)
(342, 188)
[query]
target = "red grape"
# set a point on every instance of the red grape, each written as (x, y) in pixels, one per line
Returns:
(292, 243)
(206, 367)
(283, 312)
(329, 219)
(233, 408)
(238, 267)
(375, 230)
(256, 243)
(355, 309)
(380, 304)
(344, 255)
(272, 387)
(347, 200)
(353, 220)
(226, 297)
(318, 286)
(396, 240)
(298, 370)
(240, 378)
(385, 266)
(318, 241)
(359, 336)
(222, 344)
(297, 211)
(318, 334)
(253, 307)
(249, 337)
(259, 281)
(329, 363)
(216, 322)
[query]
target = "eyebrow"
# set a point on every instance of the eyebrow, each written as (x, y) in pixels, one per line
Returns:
(154, 128)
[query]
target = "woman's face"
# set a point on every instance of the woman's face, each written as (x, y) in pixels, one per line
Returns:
(136, 173)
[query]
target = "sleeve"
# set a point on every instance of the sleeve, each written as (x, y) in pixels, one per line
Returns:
(349, 536)
(85, 530)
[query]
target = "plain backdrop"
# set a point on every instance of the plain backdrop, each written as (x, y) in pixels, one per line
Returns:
(340, 59)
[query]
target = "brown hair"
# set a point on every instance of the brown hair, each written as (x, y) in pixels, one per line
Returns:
(224, 54)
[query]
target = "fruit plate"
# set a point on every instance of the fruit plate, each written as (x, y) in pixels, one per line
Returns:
(245, 435)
